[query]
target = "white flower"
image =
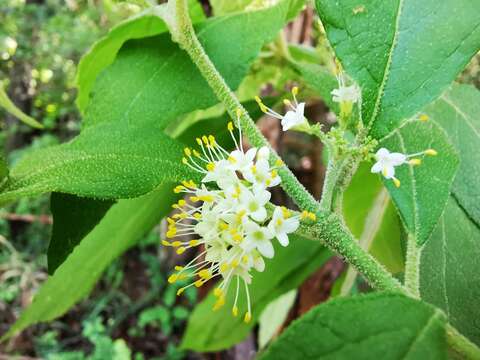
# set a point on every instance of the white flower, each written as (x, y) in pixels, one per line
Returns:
(240, 161)
(254, 202)
(221, 173)
(262, 175)
(294, 118)
(346, 94)
(258, 237)
(387, 161)
(282, 224)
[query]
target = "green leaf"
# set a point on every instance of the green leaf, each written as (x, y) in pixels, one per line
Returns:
(372, 218)
(104, 51)
(458, 112)
(152, 81)
(10, 107)
(103, 162)
(209, 330)
(123, 225)
(403, 53)
(273, 317)
(424, 189)
(449, 270)
(73, 218)
(383, 326)
(224, 7)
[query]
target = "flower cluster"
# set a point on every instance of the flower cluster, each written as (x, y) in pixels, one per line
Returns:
(387, 161)
(230, 218)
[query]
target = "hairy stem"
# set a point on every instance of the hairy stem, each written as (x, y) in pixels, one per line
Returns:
(412, 266)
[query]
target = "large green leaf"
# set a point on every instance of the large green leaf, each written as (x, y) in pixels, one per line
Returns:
(210, 331)
(104, 51)
(73, 218)
(375, 326)
(152, 80)
(449, 270)
(403, 53)
(372, 218)
(424, 189)
(123, 225)
(104, 162)
(458, 112)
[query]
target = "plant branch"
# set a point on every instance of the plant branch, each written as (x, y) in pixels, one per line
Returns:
(412, 266)
(328, 228)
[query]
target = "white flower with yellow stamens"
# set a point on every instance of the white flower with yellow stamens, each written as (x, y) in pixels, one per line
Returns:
(229, 219)
(345, 95)
(282, 224)
(387, 161)
(294, 118)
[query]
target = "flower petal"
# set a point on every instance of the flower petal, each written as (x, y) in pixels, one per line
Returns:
(377, 167)
(266, 248)
(282, 239)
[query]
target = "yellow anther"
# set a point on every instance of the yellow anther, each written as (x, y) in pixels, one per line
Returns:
(181, 202)
(237, 238)
(268, 182)
(207, 198)
(205, 274)
(235, 311)
(232, 159)
(218, 292)
(220, 302)
(247, 317)
(274, 174)
(415, 162)
(172, 278)
(197, 216)
(245, 259)
(194, 242)
(192, 184)
(187, 151)
(180, 291)
(211, 140)
(176, 216)
(312, 216)
(258, 100)
(199, 141)
(178, 189)
(184, 161)
(223, 225)
(224, 267)
(196, 153)
(238, 112)
(287, 102)
(198, 283)
(165, 243)
(205, 140)
(279, 162)
(396, 182)
(210, 166)
(234, 264)
(230, 126)
(171, 233)
(178, 268)
(431, 152)
(424, 117)
(180, 250)
(176, 243)
(279, 222)
(194, 198)
(295, 90)
(170, 221)
(241, 213)
(263, 108)
(254, 169)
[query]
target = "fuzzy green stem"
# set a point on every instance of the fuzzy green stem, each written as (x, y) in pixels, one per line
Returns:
(331, 231)
(412, 266)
